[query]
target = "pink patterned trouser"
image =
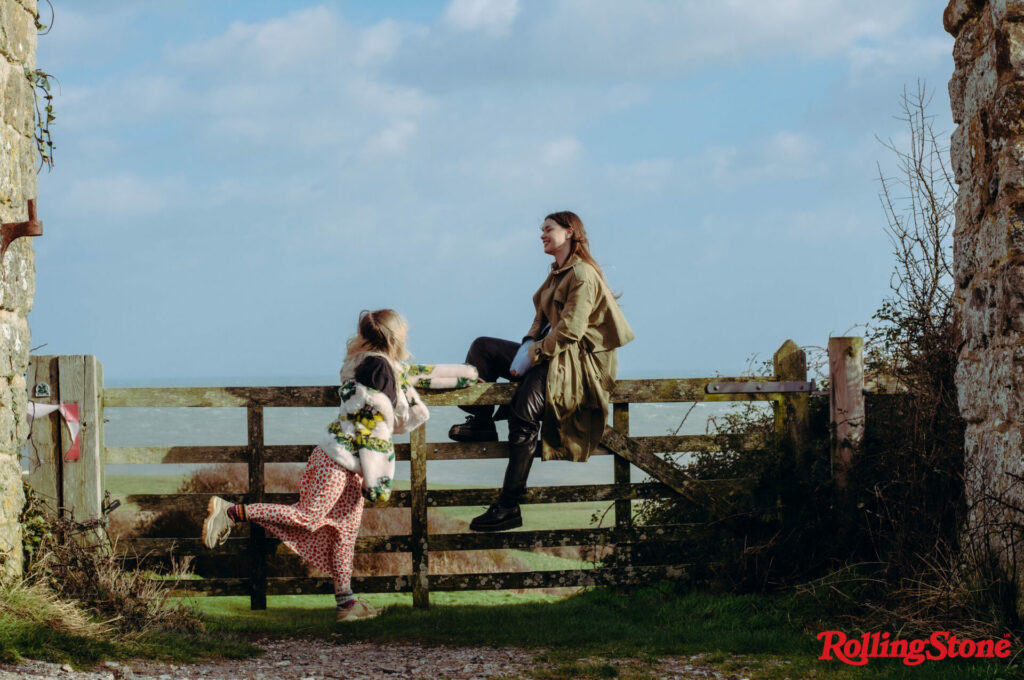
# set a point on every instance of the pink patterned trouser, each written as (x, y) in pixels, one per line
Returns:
(322, 526)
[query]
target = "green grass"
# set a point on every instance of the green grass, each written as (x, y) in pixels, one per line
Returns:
(21, 639)
(753, 636)
(545, 516)
(595, 634)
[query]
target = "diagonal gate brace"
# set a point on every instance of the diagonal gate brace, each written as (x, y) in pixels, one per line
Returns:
(638, 455)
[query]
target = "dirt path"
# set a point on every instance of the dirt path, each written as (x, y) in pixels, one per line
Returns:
(319, 660)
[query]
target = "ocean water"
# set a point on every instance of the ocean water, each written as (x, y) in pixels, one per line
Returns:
(227, 427)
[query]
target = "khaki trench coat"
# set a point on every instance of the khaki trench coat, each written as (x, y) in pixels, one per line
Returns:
(586, 328)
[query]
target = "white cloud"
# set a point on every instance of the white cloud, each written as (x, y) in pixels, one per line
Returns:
(790, 148)
(907, 54)
(123, 196)
(660, 39)
(514, 242)
(648, 175)
(560, 151)
(782, 155)
(823, 223)
(379, 43)
(392, 140)
(489, 16)
(274, 46)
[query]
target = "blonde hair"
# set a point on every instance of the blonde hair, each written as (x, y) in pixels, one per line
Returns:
(379, 332)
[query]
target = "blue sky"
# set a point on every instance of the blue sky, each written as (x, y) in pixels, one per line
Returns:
(234, 181)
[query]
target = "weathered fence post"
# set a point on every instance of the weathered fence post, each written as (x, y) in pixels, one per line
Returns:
(256, 494)
(44, 459)
(76, 485)
(623, 508)
(792, 415)
(420, 542)
(846, 403)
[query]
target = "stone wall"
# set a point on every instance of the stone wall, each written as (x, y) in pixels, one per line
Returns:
(987, 151)
(18, 164)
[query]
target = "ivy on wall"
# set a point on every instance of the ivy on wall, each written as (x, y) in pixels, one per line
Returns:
(43, 97)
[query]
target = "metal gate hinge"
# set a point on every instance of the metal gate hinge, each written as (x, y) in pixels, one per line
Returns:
(755, 387)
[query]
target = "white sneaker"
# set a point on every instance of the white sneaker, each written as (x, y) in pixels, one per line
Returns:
(355, 611)
(217, 526)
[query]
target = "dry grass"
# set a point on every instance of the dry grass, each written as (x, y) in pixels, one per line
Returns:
(77, 562)
(38, 603)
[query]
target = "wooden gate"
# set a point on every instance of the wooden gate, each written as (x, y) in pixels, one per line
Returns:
(667, 480)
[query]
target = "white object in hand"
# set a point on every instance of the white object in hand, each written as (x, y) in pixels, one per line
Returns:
(521, 363)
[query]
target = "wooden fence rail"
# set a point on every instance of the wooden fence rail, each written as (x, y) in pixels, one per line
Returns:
(669, 480)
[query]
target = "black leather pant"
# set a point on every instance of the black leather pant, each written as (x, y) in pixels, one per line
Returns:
(492, 358)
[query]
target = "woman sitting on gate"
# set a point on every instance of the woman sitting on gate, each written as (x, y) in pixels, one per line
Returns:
(565, 366)
(355, 457)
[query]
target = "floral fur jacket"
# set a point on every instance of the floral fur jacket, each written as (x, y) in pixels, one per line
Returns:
(359, 439)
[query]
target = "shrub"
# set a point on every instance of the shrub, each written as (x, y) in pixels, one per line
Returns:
(77, 562)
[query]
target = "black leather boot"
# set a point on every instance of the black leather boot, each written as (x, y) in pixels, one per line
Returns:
(505, 514)
(475, 429)
(498, 518)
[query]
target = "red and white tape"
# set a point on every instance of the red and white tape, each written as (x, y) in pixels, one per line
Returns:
(69, 413)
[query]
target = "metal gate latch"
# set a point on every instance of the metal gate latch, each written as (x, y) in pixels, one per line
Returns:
(755, 387)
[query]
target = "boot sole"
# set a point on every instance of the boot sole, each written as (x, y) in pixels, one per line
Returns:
(357, 618)
(211, 512)
(513, 523)
(483, 439)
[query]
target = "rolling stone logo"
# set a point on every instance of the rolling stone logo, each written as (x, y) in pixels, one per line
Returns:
(857, 651)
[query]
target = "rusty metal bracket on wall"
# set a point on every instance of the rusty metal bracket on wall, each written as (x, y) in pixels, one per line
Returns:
(13, 230)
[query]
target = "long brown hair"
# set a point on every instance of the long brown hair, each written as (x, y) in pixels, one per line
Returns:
(579, 243)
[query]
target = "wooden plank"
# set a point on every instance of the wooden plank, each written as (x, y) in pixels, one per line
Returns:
(448, 582)
(164, 547)
(846, 403)
(256, 494)
(299, 453)
(456, 497)
(506, 540)
(420, 530)
(43, 445)
(701, 442)
(197, 502)
(680, 389)
(551, 538)
(634, 391)
(634, 452)
(179, 454)
(480, 393)
(193, 397)
(83, 478)
(289, 586)
(558, 579)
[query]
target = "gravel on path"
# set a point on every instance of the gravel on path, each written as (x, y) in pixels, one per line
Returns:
(320, 660)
